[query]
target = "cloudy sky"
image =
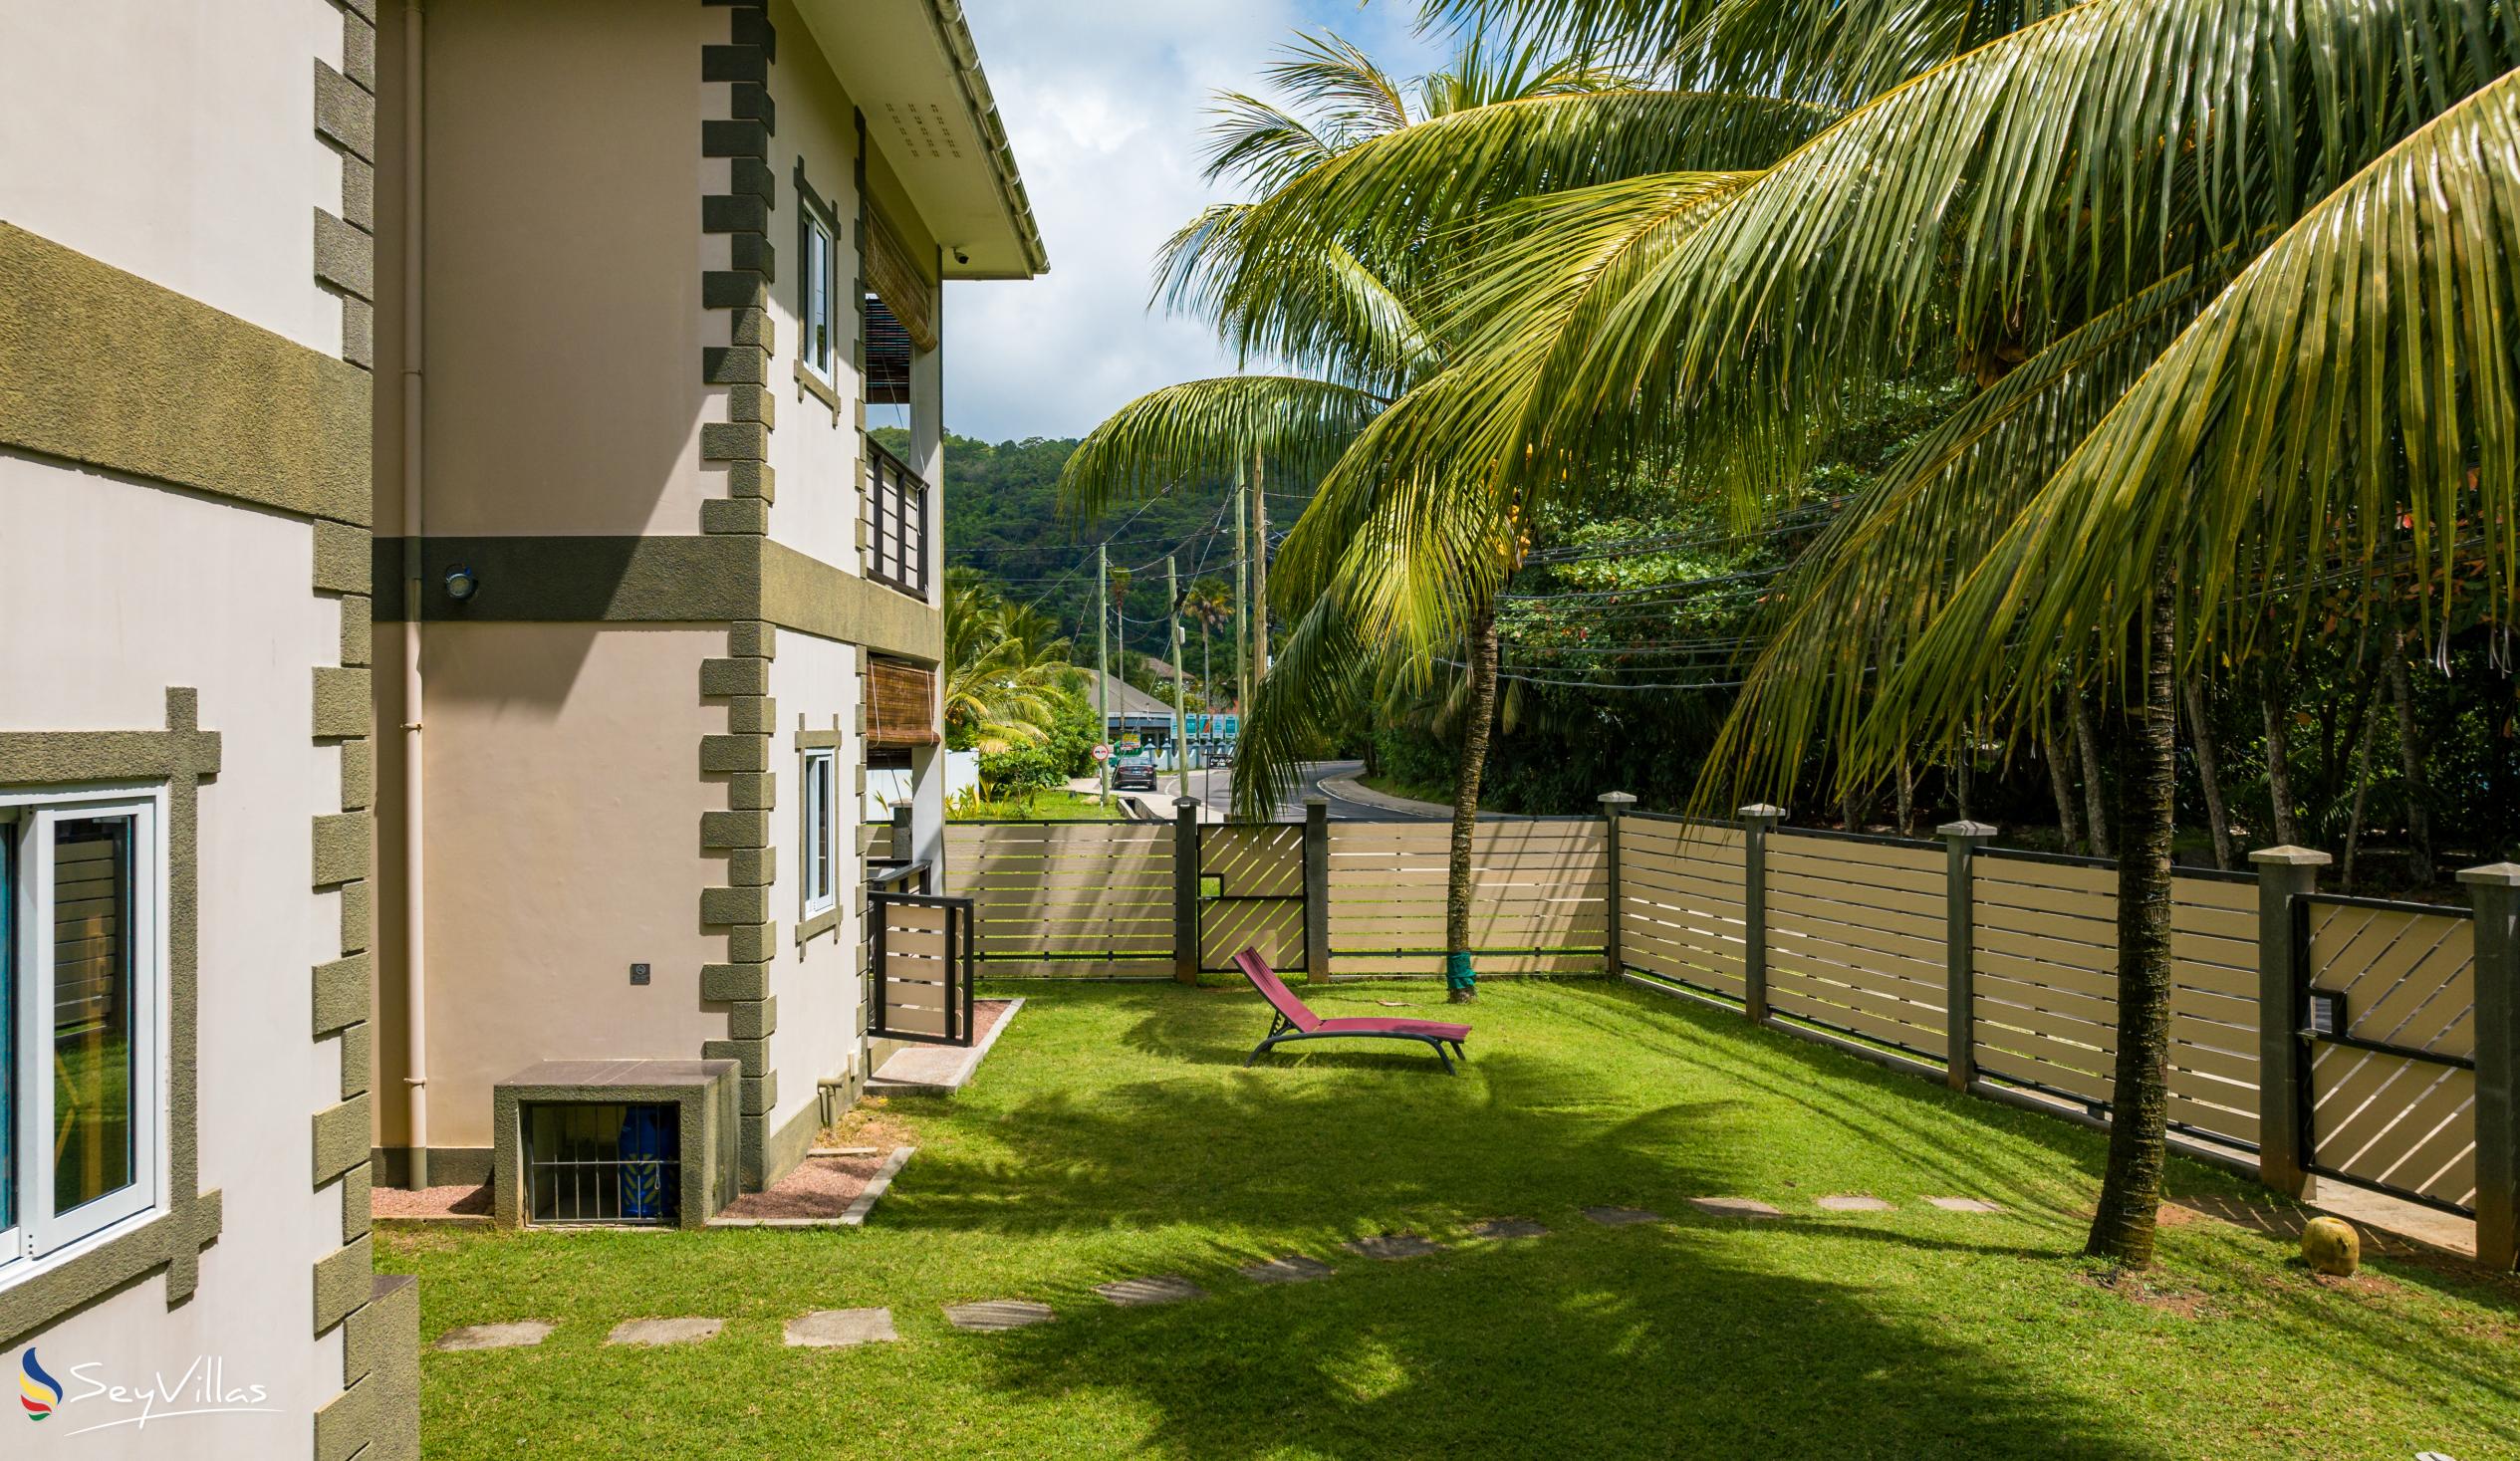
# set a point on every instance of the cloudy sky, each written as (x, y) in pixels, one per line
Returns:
(1106, 101)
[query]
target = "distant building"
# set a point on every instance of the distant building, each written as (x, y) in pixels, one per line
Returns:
(1131, 711)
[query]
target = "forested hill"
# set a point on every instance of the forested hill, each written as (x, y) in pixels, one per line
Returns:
(1002, 517)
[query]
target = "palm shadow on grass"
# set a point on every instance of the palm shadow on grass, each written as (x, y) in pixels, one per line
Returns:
(1654, 1340)
(1645, 1342)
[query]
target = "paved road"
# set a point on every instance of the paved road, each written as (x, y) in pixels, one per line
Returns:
(1216, 789)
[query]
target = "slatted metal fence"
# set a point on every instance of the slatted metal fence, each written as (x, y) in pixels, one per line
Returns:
(1993, 969)
(1680, 901)
(1068, 899)
(1854, 930)
(2391, 1078)
(1251, 895)
(1539, 901)
(2044, 948)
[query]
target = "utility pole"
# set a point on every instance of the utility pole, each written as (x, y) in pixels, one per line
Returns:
(1242, 595)
(1103, 661)
(1259, 567)
(1180, 740)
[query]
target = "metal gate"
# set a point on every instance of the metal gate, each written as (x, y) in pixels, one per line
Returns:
(922, 963)
(1251, 894)
(2386, 1003)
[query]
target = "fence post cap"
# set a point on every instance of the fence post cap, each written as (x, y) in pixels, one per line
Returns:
(1617, 798)
(1316, 801)
(2498, 875)
(1762, 812)
(1977, 831)
(2290, 856)
(1186, 803)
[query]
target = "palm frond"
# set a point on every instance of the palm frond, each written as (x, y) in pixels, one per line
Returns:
(1318, 310)
(1204, 429)
(2024, 187)
(1840, 51)
(1350, 90)
(1262, 144)
(2353, 395)
(1470, 416)
(1398, 190)
(1486, 72)
(1316, 665)
(1875, 580)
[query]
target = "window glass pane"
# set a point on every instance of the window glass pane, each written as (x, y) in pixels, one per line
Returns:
(93, 969)
(818, 297)
(8, 1026)
(817, 820)
(823, 826)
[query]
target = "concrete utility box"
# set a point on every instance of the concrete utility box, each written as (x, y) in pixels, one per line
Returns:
(641, 1142)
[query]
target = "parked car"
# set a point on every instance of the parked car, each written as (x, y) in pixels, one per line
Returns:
(1134, 773)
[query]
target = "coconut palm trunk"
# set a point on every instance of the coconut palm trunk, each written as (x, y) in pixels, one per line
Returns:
(2130, 1189)
(1461, 981)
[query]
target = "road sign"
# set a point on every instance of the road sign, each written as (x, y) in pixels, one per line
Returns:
(1102, 752)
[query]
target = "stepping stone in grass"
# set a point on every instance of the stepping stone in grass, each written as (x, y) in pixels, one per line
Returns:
(1621, 1217)
(1393, 1245)
(1740, 1207)
(495, 1336)
(1133, 1293)
(1508, 1228)
(1964, 1204)
(839, 1328)
(990, 1315)
(1294, 1269)
(664, 1331)
(1852, 1204)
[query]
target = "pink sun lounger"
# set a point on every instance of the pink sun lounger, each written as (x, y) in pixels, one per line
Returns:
(1296, 1021)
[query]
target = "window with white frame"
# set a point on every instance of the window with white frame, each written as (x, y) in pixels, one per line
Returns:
(816, 292)
(821, 827)
(82, 1010)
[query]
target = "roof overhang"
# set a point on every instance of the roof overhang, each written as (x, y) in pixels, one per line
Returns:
(913, 71)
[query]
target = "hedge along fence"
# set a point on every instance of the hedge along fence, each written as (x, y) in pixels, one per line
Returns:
(1992, 970)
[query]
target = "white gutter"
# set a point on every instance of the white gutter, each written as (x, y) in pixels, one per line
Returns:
(414, 519)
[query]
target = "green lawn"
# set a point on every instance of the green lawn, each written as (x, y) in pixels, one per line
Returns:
(1112, 1134)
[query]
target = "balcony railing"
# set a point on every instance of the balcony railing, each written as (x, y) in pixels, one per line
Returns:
(896, 524)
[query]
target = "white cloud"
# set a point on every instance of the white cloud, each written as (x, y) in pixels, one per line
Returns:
(1105, 102)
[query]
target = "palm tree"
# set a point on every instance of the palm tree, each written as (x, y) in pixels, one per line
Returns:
(1210, 604)
(1349, 311)
(2233, 277)
(1006, 668)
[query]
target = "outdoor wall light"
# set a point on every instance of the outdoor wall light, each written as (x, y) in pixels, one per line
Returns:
(461, 584)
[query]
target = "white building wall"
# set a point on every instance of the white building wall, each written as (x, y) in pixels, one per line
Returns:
(137, 588)
(815, 448)
(176, 141)
(816, 983)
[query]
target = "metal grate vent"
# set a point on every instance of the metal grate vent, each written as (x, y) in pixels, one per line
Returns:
(602, 1162)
